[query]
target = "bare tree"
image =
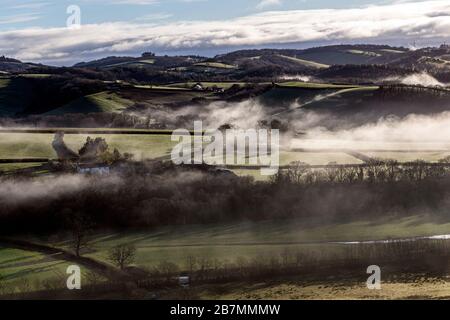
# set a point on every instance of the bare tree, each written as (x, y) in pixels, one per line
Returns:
(191, 263)
(122, 255)
(81, 225)
(167, 269)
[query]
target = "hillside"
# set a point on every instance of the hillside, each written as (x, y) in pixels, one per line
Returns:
(152, 85)
(328, 55)
(9, 65)
(25, 95)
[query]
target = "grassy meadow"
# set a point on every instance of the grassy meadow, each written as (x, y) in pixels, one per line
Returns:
(22, 270)
(98, 102)
(229, 242)
(39, 145)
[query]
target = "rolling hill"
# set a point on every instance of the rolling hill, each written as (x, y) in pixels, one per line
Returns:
(104, 101)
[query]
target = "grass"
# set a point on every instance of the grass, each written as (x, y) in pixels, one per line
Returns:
(147, 61)
(30, 145)
(256, 174)
(149, 146)
(4, 82)
(392, 51)
(396, 149)
(151, 87)
(364, 53)
(311, 158)
(98, 102)
(306, 63)
(312, 85)
(223, 85)
(35, 75)
(333, 287)
(134, 63)
(216, 65)
(9, 167)
(230, 241)
(335, 57)
(19, 265)
(317, 158)
(409, 156)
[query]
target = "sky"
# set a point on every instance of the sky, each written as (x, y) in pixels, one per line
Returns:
(38, 30)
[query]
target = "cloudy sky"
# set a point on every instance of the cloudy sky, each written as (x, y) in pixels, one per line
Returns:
(37, 30)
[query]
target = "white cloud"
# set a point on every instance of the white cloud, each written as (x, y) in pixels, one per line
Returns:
(154, 16)
(268, 3)
(19, 18)
(407, 21)
(35, 5)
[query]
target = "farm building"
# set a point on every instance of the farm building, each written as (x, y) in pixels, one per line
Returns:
(94, 169)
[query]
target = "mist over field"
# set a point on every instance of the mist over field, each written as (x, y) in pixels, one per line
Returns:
(420, 132)
(422, 79)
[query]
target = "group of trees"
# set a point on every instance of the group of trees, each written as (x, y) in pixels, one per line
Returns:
(313, 261)
(373, 171)
(142, 197)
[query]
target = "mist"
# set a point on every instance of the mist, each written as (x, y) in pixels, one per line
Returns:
(417, 79)
(424, 132)
(23, 191)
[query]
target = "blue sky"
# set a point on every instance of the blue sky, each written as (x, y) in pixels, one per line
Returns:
(51, 13)
(36, 30)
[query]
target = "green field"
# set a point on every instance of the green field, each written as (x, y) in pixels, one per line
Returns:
(151, 87)
(318, 158)
(409, 156)
(306, 63)
(137, 63)
(35, 75)
(190, 84)
(20, 269)
(364, 53)
(216, 65)
(9, 167)
(98, 102)
(151, 146)
(312, 85)
(230, 241)
(38, 145)
(222, 242)
(35, 145)
(342, 57)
